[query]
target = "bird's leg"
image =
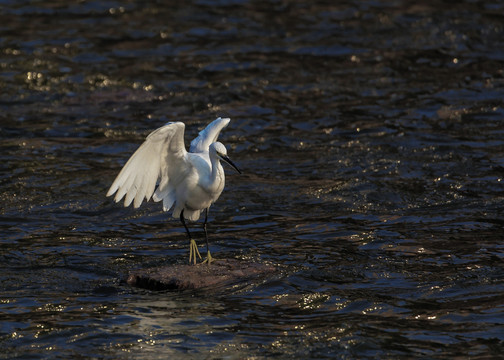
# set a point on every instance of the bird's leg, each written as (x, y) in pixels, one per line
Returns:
(209, 258)
(193, 247)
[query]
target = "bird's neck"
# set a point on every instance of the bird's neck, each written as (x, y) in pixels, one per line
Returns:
(216, 176)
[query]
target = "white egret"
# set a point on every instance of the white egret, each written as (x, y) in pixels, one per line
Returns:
(189, 182)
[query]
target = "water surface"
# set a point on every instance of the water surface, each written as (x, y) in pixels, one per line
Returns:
(371, 138)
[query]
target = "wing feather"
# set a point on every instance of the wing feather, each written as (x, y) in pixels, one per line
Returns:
(161, 156)
(168, 201)
(208, 135)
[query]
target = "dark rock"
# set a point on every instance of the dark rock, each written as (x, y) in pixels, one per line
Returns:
(183, 277)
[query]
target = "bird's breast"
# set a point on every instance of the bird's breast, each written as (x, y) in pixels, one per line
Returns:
(200, 198)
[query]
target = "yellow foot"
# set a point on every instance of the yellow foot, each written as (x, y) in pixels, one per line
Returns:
(193, 252)
(208, 259)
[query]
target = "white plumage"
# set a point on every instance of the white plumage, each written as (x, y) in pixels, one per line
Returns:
(187, 181)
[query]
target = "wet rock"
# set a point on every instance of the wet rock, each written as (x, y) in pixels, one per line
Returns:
(183, 277)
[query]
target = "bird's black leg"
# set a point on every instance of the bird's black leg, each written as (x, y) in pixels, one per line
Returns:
(209, 258)
(204, 228)
(193, 247)
(183, 223)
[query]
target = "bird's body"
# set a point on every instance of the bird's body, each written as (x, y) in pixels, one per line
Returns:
(162, 169)
(204, 183)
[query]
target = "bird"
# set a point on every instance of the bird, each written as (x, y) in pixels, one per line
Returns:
(189, 182)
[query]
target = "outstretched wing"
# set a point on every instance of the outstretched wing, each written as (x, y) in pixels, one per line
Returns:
(208, 135)
(161, 156)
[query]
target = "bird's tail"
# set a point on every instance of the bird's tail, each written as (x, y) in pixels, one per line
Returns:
(192, 215)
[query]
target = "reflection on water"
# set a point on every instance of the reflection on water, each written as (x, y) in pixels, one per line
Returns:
(371, 137)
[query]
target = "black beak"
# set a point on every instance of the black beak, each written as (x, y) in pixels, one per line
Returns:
(228, 160)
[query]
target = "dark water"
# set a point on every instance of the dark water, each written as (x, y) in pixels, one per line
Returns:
(371, 134)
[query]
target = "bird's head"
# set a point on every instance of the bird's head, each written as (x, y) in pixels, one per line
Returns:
(219, 150)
